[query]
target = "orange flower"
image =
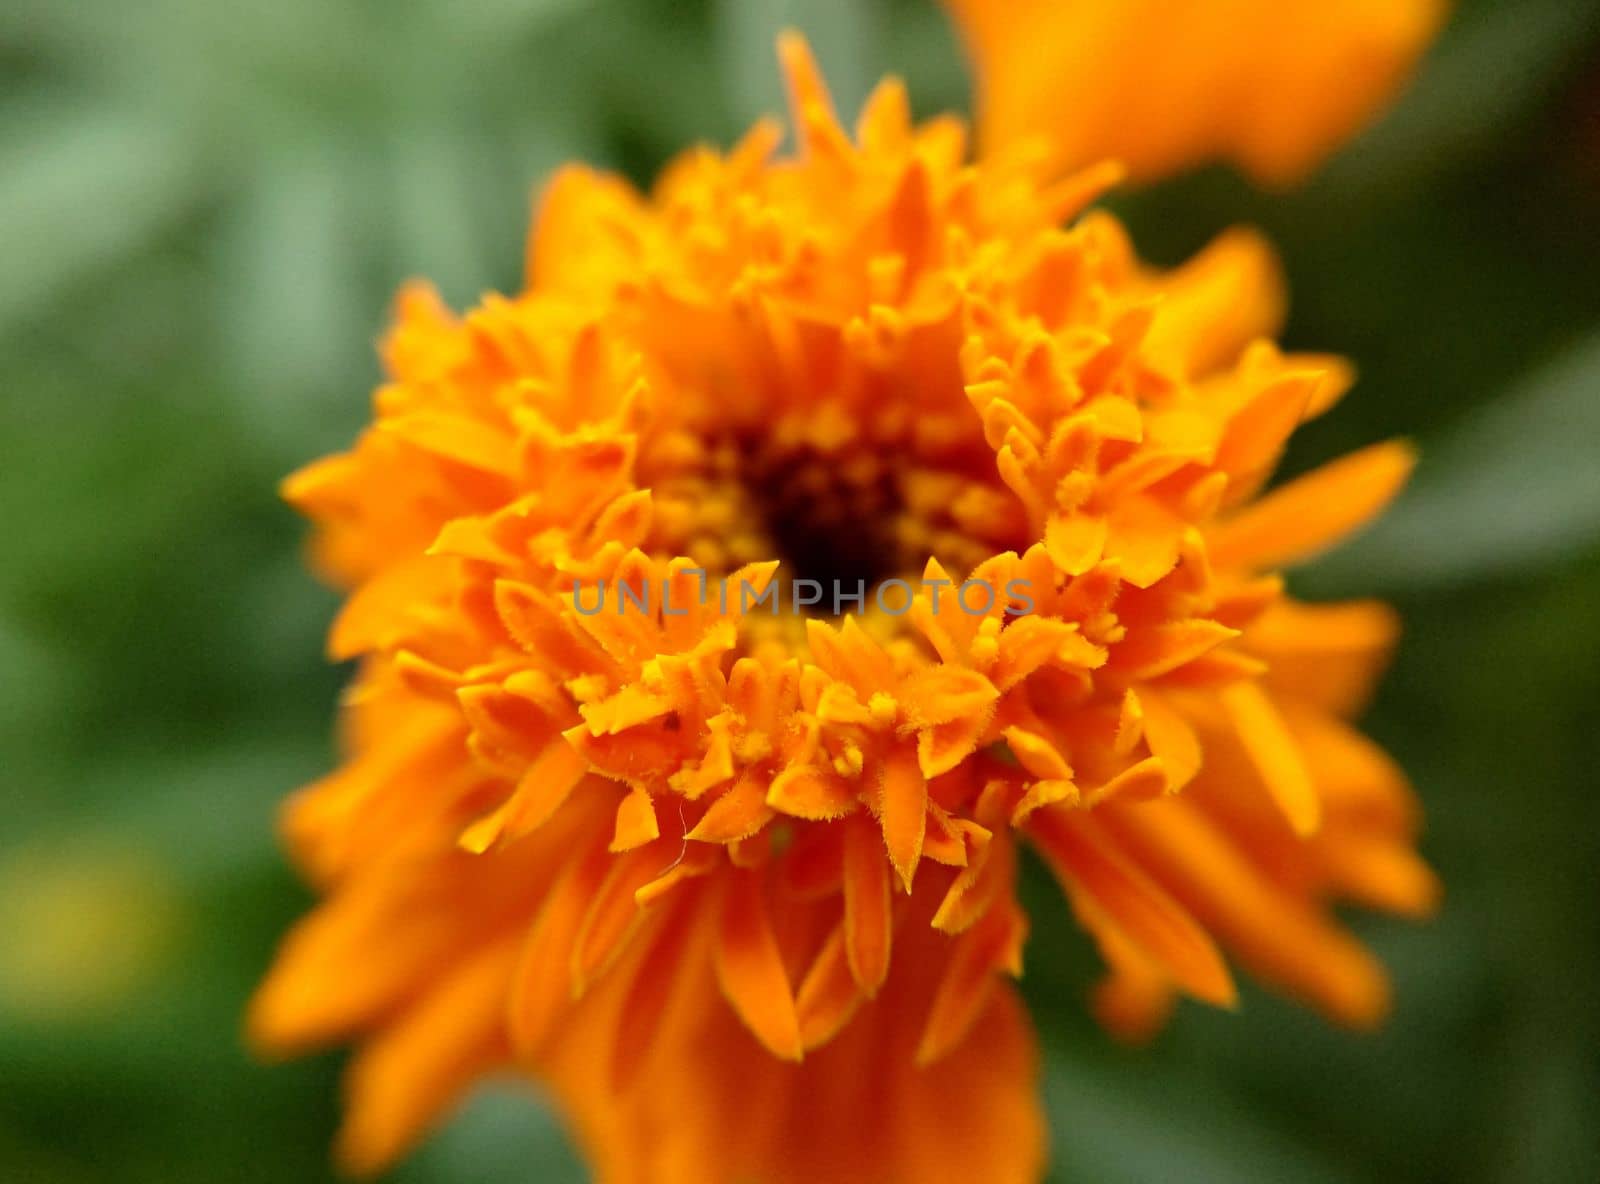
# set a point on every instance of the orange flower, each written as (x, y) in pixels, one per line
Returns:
(737, 884)
(1271, 85)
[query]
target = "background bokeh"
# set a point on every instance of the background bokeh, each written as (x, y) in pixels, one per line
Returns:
(203, 211)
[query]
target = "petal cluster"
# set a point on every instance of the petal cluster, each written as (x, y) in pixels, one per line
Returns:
(737, 884)
(1273, 86)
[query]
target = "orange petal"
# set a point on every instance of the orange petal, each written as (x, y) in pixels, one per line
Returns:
(737, 814)
(1171, 738)
(1255, 436)
(1029, 642)
(1381, 872)
(1275, 755)
(541, 986)
(750, 967)
(866, 907)
(1312, 513)
(1216, 303)
(969, 896)
(814, 865)
(1135, 998)
(816, 125)
(1083, 861)
(905, 811)
(969, 976)
(1137, 783)
(636, 822)
(1281, 938)
(691, 864)
(470, 442)
(944, 746)
(806, 792)
(539, 794)
(1161, 649)
(613, 914)
(1041, 794)
(1037, 755)
(829, 995)
(421, 1062)
(944, 693)
(1327, 654)
(658, 973)
(1145, 537)
(1165, 86)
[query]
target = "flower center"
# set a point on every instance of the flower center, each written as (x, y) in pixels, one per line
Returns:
(835, 520)
(841, 511)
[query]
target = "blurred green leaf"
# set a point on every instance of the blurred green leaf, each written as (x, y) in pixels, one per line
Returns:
(1494, 63)
(1553, 1109)
(494, 22)
(35, 691)
(1514, 484)
(437, 229)
(502, 1134)
(294, 328)
(1136, 1127)
(80, 189)
(920, 45)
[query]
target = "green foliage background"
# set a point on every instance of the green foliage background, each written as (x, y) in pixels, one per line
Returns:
(204, 208)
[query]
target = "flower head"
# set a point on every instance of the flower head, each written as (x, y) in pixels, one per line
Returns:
(1271, 85)
(736, 883)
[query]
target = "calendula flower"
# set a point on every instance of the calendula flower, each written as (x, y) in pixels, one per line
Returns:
(1273, 86)
(735, 602)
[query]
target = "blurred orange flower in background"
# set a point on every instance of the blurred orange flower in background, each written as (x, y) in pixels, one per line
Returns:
(1273, 86)
(739, 886)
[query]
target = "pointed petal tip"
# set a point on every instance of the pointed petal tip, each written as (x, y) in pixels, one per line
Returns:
(801, 73)
(266, 1032)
